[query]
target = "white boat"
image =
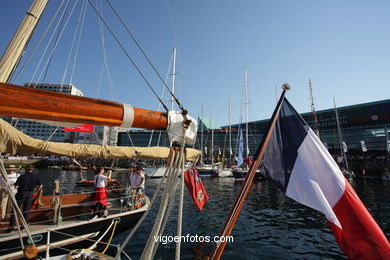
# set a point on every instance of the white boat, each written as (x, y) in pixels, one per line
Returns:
(226, 172)
(155, 172)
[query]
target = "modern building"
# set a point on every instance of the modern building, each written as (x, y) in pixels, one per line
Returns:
(367, 122)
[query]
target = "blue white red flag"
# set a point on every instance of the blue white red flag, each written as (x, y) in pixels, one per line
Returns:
(299, 164)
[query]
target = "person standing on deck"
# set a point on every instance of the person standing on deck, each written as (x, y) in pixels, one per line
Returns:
(12, 176)
(137, 183)
(27, 184)
(100, 198)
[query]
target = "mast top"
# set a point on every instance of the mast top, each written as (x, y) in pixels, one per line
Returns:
(286, 86)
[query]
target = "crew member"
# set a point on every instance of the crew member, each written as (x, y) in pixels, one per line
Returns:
(100, 193)
(26, 184)
(12, 176)
(137, 184)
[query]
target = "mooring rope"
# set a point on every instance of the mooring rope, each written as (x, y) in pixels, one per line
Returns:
(112, 235)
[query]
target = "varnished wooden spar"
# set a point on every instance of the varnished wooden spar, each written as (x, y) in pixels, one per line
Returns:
(30, 103)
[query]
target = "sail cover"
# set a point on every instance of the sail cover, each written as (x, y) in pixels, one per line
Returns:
(16, 142)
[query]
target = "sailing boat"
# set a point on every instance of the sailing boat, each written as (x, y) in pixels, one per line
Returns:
(227, 171)
(61, 220)
(211, 169)
(240, 172)
(343, 147)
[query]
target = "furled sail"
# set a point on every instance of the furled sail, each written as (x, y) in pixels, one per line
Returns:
(16, 142)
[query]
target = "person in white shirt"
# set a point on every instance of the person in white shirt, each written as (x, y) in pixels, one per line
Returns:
(137, 179)
(5, 205)
(100, 198)
(137, 184)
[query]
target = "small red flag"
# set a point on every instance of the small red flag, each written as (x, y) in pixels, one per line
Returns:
(195, 187)
(82, 129)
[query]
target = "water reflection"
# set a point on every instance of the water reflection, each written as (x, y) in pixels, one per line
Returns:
(270, 224)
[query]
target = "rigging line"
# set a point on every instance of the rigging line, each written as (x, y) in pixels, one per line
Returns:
(128, 135)
(172, 23)
(78, 42)
(79, 28)
(50, 40)
(97, 137)
(54, 48)
(159, 105)
(36, 48)
(105, 61)
(128, 55)
(52, 134)
(178, 47)
(39, 43)
(100, 81)
(57, 39)
(144, 54)
(56, 44)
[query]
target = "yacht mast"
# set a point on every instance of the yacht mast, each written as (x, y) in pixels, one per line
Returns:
(15, 49)
(387, 148)
(340, 136)
(313, 112)
(173, 78)
(246, 111)
(201, 134)
(230, 133)
(212, 137)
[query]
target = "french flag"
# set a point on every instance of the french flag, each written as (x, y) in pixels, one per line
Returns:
(299, 164)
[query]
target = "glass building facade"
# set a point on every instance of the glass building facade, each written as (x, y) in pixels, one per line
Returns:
(366, 122)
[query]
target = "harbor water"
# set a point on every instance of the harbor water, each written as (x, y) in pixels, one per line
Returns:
(270, 226)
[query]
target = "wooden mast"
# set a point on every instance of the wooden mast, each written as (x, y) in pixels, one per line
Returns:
(31, 103)
(11, 56)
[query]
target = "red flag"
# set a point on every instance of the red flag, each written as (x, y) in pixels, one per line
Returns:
(195, 187)
(82, 129)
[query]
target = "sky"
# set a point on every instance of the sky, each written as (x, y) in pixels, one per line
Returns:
(342, 46)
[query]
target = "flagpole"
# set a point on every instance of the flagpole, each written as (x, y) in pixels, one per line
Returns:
(235, 211)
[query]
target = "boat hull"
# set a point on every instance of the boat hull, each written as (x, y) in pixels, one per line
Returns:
(239, 174)
(225, 173)
(71, 235)
(203, 172)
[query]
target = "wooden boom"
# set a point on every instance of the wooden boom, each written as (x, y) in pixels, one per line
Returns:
(31, 103)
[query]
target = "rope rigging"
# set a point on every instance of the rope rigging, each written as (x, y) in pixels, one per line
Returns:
(128, 56)
(144, 54)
